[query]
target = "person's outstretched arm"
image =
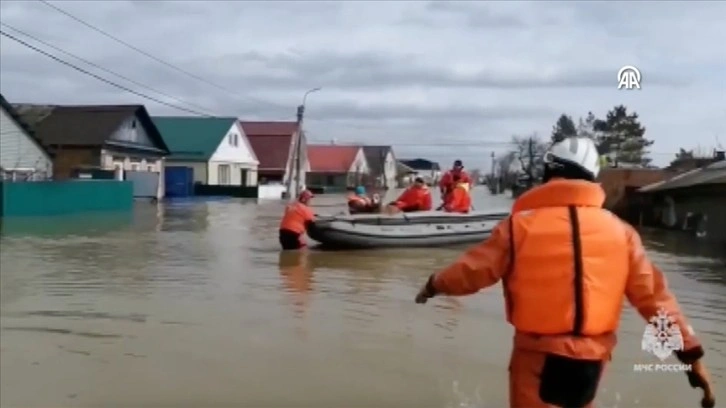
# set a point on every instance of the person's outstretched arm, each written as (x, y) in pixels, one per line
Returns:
(481, 266)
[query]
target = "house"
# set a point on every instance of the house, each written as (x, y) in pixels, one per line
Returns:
(275, 145)
(22, 157)
(117, 138)
(404, 174)
(426, 169)
(693, 200)
(382, 164)
(215, 149)
(336, 167)
(621, 186)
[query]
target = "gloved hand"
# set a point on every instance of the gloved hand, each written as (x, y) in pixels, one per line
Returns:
(698, 377)
(427, 291)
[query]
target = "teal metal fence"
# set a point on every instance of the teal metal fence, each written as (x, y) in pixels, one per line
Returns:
(44, 198)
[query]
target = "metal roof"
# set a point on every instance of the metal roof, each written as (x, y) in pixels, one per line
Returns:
(714, 173)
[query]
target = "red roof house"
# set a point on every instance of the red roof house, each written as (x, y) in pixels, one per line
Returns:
(274, 145)
(336, 166)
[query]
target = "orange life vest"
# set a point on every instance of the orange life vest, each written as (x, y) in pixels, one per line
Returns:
(356, 200)
(296, 216)
(570, 261)
(458, 200)
(414, 199)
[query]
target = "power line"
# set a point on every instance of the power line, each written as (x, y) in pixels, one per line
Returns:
(100, 78)
(155, 58)
(93, 64)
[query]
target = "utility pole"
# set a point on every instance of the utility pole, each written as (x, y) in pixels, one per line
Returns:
(299, 145)
(530, 167)
(383, 168)
(493, 179)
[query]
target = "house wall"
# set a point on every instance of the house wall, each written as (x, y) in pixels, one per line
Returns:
(360, 164)
(121, 161)
(200, 169)
(19, 151)
(706, 199)
(69, 158)
(336, 180)
(132, 131)
(235, 152)
(235, 172)
(389, 169)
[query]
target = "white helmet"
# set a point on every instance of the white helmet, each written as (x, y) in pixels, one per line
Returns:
(578, 151)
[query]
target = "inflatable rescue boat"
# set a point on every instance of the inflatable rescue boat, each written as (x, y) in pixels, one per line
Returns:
(417, 229)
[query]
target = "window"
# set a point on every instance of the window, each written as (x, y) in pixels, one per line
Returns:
(236, 140)
(133, 124)
(223, 175)
(233, 140)
(135, 166)
(149, 168)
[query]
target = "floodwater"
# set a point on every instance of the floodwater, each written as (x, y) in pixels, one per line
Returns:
(191, 304)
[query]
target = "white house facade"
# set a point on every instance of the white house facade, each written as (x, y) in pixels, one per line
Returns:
(233, 163)
(21, 156)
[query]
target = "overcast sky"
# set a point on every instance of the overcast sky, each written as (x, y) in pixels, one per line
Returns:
(417, 75)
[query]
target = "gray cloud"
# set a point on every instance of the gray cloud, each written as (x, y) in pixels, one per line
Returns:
(396, 72)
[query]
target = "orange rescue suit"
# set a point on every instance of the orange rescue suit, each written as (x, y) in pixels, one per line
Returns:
(414, 199)
(356, 202)
(297, 216)
(458, 200)
(447, 183)
(561, 249)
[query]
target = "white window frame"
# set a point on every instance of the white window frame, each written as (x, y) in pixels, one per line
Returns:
(224, 174)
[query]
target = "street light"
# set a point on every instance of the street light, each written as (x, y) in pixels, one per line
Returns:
(299, 148)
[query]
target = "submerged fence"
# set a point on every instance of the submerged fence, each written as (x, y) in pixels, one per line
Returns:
(64, 197)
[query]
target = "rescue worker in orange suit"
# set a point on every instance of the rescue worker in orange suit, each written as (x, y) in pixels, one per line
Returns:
(558, 233)
(458, 200)
(415, 198)
(447, 183)
(359, 202)
(296, 220)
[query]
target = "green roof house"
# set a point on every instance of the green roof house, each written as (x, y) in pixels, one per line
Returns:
(216, 149)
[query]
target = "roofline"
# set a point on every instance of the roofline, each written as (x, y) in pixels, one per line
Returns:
(21, 124)
(144, 116)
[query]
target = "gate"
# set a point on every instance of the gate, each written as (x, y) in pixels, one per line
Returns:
(179, 181)
(146, 183)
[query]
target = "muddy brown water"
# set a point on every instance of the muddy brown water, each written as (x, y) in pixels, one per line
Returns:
(191, 304)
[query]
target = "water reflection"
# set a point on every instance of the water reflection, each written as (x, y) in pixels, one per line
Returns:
(297, 276)
(89, 225)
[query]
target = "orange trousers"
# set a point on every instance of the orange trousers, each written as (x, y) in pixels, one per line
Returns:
(525, 369)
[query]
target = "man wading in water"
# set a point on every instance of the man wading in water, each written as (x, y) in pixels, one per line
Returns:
(559, 234)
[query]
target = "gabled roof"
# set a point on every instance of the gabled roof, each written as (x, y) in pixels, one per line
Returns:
(271, 142)
(421, 164)
(269, 128)
(331, 158)
(402, 168)
(86, 125)
(376, 156)
(193, 138)
(714, 173)
(21, 123)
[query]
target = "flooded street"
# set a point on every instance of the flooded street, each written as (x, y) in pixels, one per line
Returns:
(191, 304)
